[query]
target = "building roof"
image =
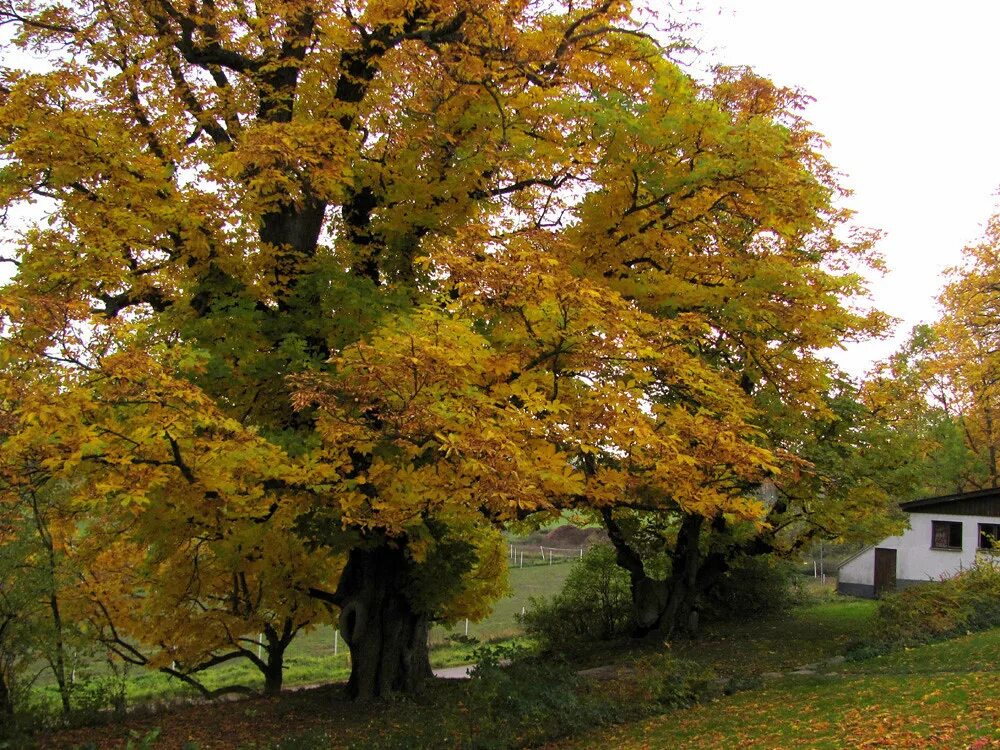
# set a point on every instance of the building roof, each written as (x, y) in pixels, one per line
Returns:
(976, 503)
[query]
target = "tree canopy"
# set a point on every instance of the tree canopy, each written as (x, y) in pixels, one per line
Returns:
(325, 292)
(943, 382)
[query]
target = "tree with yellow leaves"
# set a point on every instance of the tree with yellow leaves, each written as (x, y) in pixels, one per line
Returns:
(953, 365)
(353, 283)
(739, 230)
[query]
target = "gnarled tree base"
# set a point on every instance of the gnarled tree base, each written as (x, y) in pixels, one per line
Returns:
(387, 638)
(664, 607)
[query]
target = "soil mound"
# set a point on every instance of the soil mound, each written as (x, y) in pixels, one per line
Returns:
(574, 536)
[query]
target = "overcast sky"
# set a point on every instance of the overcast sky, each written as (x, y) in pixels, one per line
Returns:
(906, 93)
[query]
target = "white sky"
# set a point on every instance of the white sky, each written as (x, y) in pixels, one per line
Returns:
(906, 93)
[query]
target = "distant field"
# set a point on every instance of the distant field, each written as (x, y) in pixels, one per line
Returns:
(526, 582)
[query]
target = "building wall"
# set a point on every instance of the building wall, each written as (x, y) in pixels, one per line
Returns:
(916, 561)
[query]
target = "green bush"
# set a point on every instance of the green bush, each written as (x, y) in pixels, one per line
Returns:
(967, 602)
(980, 586)
(96, 698)
(517, 698)
(594, 604)
(754, 587)
(668, 682)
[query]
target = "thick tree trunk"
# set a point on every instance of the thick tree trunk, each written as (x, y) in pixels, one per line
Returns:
(386, 635)
(649, 600)
(680, 613)
(649, 596)
(669, 607)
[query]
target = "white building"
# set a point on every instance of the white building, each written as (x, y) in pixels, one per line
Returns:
(945, 536)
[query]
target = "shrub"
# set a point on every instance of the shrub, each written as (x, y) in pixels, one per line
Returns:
(919, 613)
(139, 741)
(99, 698)
(517, 698)
(669, 682)
(754, 587)
(980, 587)
(939, 609)
(594, 604)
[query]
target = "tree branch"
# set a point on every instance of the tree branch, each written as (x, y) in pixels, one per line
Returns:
(116, 303)
(627, 557)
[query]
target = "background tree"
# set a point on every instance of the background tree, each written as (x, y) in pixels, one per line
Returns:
(963, 372)
(907, 394)
(741, 231)
(194, 600)
(843, 471)
(940, 389)
(21, 618)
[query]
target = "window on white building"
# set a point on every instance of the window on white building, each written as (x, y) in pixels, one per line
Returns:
(946, 534)
(989, 536)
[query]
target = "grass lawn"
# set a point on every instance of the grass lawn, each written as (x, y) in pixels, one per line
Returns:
(807, 635)
(945, 695)
(873, 711)
(902, 700)
(442, 717)
(978, 652)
